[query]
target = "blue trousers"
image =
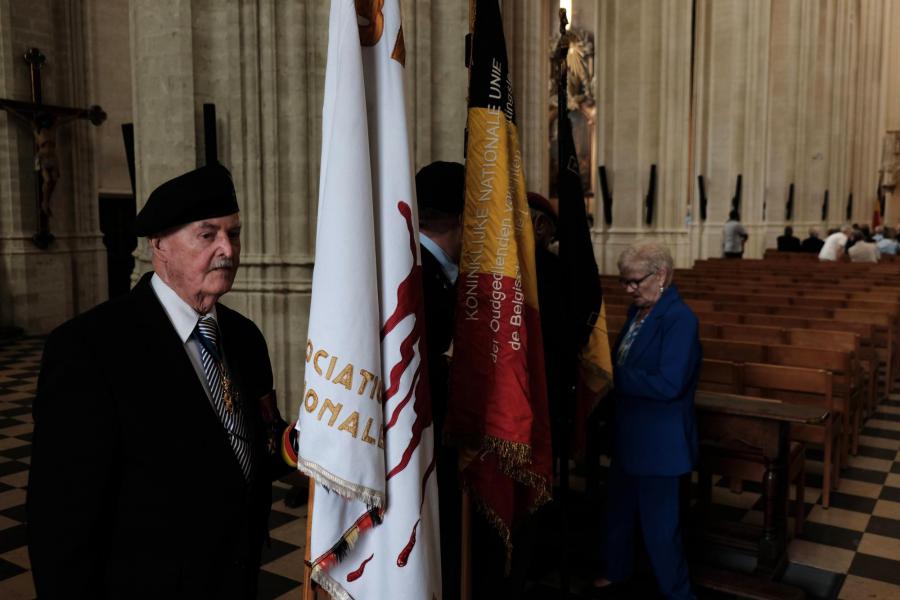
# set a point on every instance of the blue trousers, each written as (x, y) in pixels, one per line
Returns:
(653, 503)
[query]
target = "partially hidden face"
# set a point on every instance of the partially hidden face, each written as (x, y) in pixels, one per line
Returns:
(202, 258)
(642, 284)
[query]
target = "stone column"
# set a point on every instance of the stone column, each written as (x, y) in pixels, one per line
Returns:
(526, 30)
(436, 78)
(39, 289)
(643, 95)
(731, 64)
(868, 115)
(807, 105)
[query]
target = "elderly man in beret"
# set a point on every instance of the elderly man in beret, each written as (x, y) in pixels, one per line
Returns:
(150, 473)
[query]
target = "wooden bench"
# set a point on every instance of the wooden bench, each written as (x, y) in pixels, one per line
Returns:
(796, 385)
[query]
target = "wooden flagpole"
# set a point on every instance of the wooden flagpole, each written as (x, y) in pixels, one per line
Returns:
(465, 561)
(309, 593)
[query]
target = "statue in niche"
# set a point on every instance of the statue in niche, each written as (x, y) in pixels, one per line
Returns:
(582, 106)
(890, 161)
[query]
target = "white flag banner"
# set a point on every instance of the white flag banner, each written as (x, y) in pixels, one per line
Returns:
(365, 431)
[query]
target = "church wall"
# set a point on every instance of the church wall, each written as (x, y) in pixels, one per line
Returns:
(39, 289)
(111, 65)
(436, 78)
(793, 91)
(642, 66)
(527, 29)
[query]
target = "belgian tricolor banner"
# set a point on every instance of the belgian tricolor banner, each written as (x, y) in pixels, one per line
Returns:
(498, 408)
(587, 357)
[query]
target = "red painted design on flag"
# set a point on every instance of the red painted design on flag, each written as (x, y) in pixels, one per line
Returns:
(409, 303)
(354, 575)
(404, 555)
(425, 480)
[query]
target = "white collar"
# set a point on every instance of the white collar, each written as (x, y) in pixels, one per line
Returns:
(183, 317)
(450, 268)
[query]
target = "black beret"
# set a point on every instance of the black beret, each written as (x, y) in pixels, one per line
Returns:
(441, 186)
(203, 193)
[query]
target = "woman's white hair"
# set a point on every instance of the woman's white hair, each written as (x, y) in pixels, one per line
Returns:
(647, 255)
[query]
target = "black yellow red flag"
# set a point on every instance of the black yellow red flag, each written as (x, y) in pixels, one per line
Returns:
(585, 316)
(498, 407)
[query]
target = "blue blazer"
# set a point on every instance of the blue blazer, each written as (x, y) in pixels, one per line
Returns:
(655, 430)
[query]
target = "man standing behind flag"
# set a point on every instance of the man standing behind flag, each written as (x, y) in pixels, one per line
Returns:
(365, 424)
(498, 406)
(440, 192)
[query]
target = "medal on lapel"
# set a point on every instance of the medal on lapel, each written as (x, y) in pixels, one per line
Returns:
(228, 392)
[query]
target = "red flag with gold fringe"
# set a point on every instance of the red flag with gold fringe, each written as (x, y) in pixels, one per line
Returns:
(498, 408)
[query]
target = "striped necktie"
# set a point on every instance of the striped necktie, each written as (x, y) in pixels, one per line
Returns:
(224, 398)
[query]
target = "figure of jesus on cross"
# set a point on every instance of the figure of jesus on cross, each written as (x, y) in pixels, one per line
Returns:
(45, 121)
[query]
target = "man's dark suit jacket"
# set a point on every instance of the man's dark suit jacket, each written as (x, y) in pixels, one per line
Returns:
(134, 490)
(440, 304)
(812, 244)
(788, 243)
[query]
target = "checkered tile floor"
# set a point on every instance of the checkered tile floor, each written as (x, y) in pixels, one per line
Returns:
(849, 551)
(282, 570)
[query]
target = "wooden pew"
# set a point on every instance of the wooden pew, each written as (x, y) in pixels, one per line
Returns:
(796, 385)
(757, 430)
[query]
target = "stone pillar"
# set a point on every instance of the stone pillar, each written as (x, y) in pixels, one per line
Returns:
(643, 51)
(731, 63)
(868, 21)
(436, 78)
(807, 107)
(526, 30)
(39, 289)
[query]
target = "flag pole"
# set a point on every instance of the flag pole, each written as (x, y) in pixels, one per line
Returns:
(568, 395)
(465, 562)
(308, 592)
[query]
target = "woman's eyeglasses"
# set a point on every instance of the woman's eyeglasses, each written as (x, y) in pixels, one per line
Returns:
(627, 283)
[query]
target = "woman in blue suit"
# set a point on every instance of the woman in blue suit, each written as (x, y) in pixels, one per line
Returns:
(657, 365)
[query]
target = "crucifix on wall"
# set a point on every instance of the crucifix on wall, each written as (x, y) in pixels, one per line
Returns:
(45, 121)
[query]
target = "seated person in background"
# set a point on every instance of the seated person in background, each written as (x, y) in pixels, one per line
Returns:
(863, 251)
(654, 439)
(833, 248)
(888, 242)
(813, 243)
(879, 233)
(788, 242)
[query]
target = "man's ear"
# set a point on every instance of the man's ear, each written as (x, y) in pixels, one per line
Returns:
(157, 247)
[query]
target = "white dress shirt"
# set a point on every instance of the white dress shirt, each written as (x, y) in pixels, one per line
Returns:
(450, 268)
(184, 319)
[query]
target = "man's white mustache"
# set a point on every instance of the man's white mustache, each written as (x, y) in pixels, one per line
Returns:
(222, 263)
